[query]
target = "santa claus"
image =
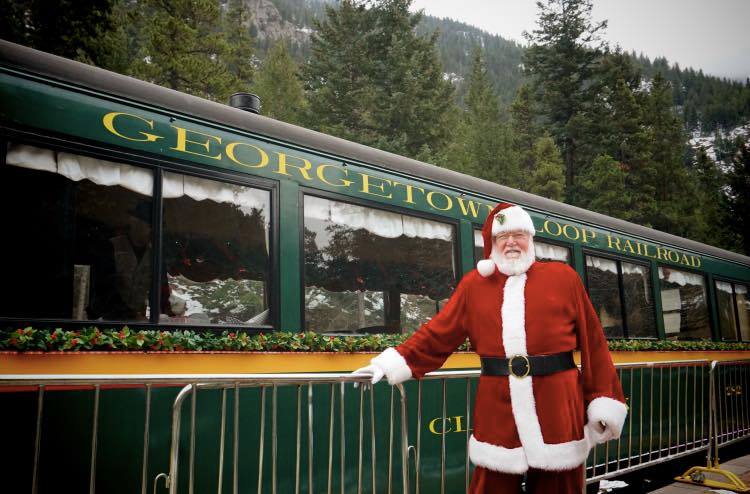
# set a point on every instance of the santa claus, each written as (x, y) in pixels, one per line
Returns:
(535, 413)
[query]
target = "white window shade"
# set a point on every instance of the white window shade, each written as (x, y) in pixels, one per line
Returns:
(382, 223)
(552, 252)
(200, 189)
(77, 168)
(478, 239)
(681, 278)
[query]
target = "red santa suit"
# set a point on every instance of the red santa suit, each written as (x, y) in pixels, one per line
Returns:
(538, 423)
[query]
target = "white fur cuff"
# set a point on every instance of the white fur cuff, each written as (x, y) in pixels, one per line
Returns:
(609, 411)
(394, 365)
(497, 458)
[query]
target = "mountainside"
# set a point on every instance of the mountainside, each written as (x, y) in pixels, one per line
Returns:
(705, 102)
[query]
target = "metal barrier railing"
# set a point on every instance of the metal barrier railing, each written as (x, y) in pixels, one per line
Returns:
(323, 434)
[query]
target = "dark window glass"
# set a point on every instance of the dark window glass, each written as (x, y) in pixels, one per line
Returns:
(368, 270)
(604, 291)
(726, 308)
(478, 246)
(683, 303)
(78, 237)
(743, 310)
(216, 252)
(550, 252)
(639, 306)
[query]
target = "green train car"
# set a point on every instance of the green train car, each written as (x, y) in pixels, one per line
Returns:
(128, 204)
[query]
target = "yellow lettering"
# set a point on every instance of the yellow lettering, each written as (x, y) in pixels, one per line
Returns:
(321, 175)
(616, 242)
(693, 262)
(592, 234)
(282, 170)
(366, 185)
(676, 256)
(437, 420)
(459, 424)
(660, 251)
(646, 253)
(629, 246)
(448, 200)
(473, 207)
(685, 260)
(182, 142)
(565, 232)
(260, 164)
(547, 229)
(409, 191)
(109, 123)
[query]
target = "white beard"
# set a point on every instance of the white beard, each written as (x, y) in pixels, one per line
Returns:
(513, 267)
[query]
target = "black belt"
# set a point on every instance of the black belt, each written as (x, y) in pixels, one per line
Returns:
(522, 366)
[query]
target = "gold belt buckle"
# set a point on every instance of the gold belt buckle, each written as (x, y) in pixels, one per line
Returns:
(510, 366)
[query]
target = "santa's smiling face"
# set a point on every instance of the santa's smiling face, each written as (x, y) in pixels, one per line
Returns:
(513, 252)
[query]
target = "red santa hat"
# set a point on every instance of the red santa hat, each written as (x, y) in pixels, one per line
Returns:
(503, 218)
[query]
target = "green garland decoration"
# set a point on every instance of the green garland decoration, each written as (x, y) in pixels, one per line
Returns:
(31, 339)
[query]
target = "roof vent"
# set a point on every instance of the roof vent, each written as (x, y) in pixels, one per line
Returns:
(245, 101)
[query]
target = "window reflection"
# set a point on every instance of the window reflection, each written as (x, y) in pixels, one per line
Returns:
(743, 311)
(725, 309)
(82, 247)
(368, 270)
(216, 252)
(683, 303)
(604, 291)
(639, 306)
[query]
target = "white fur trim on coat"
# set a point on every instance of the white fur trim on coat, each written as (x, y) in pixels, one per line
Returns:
(394, 365)
(558, 456)
(516, 219)
(497, 458)
(610, 411)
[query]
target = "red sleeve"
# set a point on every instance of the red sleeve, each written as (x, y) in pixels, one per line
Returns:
(599, 374)
(429, 346)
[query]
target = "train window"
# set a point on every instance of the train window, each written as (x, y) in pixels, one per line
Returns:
(78, 236)
(639, 303)
(215, 272)
(743, 310)
(369, 270)
(478, 246)
(683, 303)
(543, 251)
(619, 287)
(734, 310)
(726, 309)
(604, 291)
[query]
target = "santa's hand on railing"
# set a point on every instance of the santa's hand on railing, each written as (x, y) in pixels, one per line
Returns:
(375, 371)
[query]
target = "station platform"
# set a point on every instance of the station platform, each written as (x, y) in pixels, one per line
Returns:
(739, 466)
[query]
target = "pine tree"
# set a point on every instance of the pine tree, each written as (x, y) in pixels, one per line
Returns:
(548, 176)
(484, 142)
(667, 144)
(279, 86)
(68, 28)
(739, 196)
(372, 79)
(560, 61)
(524, 133)
(186, 50)
(604, 186)
(710, 200)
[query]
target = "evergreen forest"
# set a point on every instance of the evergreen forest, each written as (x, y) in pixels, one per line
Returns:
(563, 115)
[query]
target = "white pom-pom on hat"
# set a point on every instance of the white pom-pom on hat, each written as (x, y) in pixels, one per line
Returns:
(486, 267)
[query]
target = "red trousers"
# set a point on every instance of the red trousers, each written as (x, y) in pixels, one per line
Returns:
(537, 482)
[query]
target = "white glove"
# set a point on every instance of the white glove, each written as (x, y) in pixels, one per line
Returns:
(600, 433)
(373, 370)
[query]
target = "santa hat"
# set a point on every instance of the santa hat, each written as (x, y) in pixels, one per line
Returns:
(504, 218)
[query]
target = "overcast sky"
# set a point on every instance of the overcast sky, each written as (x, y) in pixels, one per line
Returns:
(712, 35)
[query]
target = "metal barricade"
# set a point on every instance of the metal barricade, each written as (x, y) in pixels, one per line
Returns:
(240, 435)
